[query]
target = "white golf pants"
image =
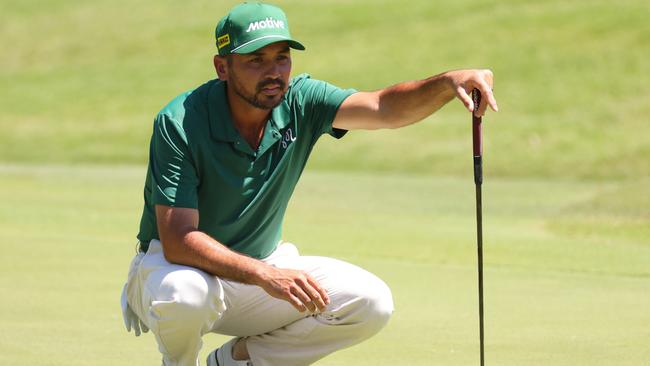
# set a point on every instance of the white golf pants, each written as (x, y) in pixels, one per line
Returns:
(180, 304)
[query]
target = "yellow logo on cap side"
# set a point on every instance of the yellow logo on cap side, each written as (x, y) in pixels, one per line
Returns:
(223, 41)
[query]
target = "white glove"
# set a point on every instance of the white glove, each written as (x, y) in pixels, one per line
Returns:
(131, 320)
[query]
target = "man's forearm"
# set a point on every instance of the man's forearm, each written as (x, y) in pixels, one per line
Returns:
(199, 250)
(184, 244)
(411, 101)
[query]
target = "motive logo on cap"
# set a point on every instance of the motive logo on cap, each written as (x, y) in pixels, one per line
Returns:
(251, 26)
(266, 23)
(223, 41)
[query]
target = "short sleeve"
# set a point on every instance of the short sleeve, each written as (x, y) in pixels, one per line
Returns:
(173, 173)
(321, 100)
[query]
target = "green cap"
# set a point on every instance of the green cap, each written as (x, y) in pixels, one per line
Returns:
(251, 26)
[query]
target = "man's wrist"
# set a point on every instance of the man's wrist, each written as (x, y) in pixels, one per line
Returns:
(259, 273)
(443, 84)
(447, 79)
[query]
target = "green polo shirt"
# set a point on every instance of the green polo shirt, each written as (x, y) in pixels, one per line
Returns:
(197, 159)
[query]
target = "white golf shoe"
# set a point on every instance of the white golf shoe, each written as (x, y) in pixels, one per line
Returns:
(222, 356)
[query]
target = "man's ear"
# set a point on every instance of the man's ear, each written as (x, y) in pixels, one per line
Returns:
(220, 66)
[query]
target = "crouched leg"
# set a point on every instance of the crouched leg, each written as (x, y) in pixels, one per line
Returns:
(183, 304)
(360, 306)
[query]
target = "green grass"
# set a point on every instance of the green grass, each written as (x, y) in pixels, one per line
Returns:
(567, 265)
(81, 81)
(566, 207)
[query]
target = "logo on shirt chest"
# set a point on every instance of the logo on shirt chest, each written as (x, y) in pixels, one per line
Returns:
(288, 137)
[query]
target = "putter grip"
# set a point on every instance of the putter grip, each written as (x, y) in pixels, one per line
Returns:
(477, 139)
(477, 136)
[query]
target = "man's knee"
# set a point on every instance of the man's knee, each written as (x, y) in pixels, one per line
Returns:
(379, 307)
(186, 297)
(367, 308)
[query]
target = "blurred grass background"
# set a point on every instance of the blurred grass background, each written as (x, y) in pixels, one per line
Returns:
(566, 203)
(81, 80)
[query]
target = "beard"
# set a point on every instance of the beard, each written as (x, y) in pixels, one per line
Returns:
(257, 99)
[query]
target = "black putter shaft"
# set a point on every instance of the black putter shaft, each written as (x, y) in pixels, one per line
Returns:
(477, 139)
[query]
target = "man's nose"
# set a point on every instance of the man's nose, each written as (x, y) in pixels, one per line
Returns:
(273, 71)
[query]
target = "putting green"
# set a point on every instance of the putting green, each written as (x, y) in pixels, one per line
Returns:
(565, 285)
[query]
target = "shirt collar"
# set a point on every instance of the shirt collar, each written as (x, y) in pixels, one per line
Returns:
(221, 125)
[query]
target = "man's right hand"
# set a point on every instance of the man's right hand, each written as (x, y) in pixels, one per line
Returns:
(297, 287)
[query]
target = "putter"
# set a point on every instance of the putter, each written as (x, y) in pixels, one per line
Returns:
(477, 139)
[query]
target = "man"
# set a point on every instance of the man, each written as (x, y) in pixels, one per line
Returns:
(224, 160)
